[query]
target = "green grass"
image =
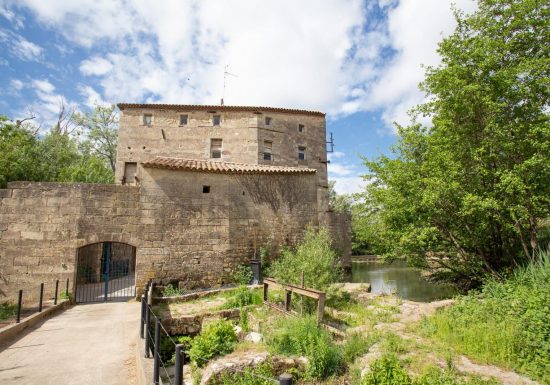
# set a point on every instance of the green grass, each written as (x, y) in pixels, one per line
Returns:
(506, 324)
(7, 310)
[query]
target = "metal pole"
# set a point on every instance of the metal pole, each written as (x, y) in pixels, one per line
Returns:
(147, 323)
(19, 302)
(179, 365)
(285, 379)
(41, 297)
(156, 356)
(67, 288)
(142, 319)
(56, 289)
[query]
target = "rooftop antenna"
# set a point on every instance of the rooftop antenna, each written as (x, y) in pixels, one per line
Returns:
(225, 74)
(331, 143)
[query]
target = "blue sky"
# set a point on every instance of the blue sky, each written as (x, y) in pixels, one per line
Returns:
(358, 61)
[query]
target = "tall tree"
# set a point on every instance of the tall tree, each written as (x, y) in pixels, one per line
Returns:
(101, 130)
(466, 196)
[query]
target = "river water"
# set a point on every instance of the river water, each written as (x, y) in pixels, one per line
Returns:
(400, 279)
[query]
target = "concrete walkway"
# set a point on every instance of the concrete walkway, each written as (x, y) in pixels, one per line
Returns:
(89, 344)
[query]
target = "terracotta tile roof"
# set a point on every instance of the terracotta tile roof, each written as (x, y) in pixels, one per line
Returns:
(222, 167)
(191, 107)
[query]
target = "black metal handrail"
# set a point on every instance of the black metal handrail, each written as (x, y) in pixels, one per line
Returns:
(40, 306)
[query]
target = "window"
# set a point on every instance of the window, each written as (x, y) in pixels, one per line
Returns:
(267, 121)
(206, 189)
(215, 148)
(301, 128)
(183, 120)
(268, 146)
(147, 119)
(130, 170)
(216, 119)
(301, 153)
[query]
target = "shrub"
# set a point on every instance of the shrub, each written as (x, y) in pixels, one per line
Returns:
(314, 257)
(505, 324)
(217, 338)
(241, 297)
(172, 291)
(251, 376)
(243, 275)
(356, 345)
(7, 310)
(437, 376)
(387, 370)
(301, 336)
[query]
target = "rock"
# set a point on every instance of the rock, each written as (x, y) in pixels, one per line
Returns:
(239, 361)
(253, 337)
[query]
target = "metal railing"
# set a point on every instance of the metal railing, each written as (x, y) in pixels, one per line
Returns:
(153, 343)
(40, 306)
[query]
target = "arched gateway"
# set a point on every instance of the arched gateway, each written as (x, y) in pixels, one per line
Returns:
(105, 271)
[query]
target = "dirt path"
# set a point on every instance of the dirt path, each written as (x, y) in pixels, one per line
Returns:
(85, 345)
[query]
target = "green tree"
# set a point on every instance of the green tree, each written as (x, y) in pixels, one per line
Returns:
(100, 127)
(341, 203)
(18, 152)
(466, 196)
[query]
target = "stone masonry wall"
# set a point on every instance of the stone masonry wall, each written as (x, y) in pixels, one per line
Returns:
(43, 224)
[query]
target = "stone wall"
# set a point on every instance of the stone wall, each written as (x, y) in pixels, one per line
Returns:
(339, 226)
(180, 232)
(243, 134)
(43, 224)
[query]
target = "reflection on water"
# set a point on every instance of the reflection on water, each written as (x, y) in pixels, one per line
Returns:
(400, 279)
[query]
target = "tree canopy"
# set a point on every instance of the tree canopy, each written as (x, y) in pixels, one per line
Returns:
(466, 196)
(59, 155)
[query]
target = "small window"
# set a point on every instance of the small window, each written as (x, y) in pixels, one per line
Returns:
(301, 153)
(130, 170)
(147, 119)
(183, 120)
(216, 119)
(206, 189)
(215, 148)
(301, 128)
(267, 121)
(268, 146)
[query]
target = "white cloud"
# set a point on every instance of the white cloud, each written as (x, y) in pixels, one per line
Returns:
(16, 84)
(340, 169)
(91, 97)
(20, 47)
(329, 55)
(335, 155)
(96, 66)
(348, 185)
(9, 15)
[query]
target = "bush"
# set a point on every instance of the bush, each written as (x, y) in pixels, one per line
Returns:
(387, 370)
(505, 324)
(251, 376)
(7, 310)
(243, 275)
(242, 297)
(218, 338)
(356, 345)
(314, 257)
(437, 376)
(301, 336)
(172, 291)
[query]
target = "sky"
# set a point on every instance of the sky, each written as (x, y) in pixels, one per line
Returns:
(358, 61)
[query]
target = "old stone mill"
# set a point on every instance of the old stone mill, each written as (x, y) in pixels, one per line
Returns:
(198, 191)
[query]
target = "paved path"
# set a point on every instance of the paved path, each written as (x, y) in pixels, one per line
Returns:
(85, 345)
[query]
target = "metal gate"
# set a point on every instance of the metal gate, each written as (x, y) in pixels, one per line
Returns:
(105, 272)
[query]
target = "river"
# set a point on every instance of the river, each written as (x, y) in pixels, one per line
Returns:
(400, 279)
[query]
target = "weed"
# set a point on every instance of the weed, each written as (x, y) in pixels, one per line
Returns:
(218, 338)
(243, 275)
(7, 310)
(172, 291)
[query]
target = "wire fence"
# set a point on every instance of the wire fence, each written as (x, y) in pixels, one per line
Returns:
(156, 335)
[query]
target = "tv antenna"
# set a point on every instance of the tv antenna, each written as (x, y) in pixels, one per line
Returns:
(331, 143)
(226, 73)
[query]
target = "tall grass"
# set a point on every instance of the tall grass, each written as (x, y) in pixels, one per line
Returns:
(507, 323)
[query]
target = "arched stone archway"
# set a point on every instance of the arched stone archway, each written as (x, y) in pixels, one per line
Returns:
(105, 271)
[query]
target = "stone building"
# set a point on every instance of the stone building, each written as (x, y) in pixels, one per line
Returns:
(199, 190)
